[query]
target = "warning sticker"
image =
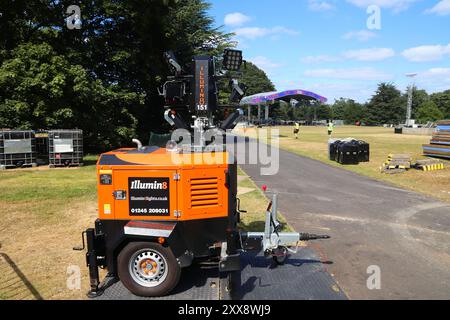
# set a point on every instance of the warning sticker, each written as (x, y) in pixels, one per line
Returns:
(149, 196)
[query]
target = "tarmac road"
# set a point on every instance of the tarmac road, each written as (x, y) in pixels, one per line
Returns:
(405, 234)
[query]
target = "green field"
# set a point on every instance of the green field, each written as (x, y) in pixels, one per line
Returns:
(43, 213)
(313, 143)
(44, 210)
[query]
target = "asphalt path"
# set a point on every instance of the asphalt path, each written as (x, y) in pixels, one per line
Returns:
(374, 227)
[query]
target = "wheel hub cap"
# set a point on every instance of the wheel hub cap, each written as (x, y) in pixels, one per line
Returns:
(148, 268)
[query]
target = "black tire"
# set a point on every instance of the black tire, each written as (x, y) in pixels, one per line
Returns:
(281, 256)
(166, 285)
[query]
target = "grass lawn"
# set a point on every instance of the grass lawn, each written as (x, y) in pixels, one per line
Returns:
(313, 143)
(255, 203)
(43, 214)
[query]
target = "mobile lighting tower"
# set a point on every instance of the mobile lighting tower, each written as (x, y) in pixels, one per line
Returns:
(410, 99)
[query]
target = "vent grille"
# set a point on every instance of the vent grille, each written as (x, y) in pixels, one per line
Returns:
(204, 192)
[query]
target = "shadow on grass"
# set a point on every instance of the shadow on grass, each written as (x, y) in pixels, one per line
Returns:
(22, 277)
(258, 226)
(254, 226)
(90, 160)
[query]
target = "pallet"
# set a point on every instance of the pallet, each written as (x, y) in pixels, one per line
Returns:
(392, 171)
(440, 143)
(399, 157)
(437, 149)
(443, 123)
(396, 163)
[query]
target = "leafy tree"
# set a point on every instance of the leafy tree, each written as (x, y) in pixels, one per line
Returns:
(442, 100)
(419, 98)
(256, 81)
(348, 110)
(386, 106)
(40, 89)
(284, 111)
(108, 71)
(354, 112)
(309, 111)
(338, 109)
(429, 111)
(253, 77)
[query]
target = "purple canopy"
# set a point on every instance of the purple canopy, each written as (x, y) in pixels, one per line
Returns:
(298, 94)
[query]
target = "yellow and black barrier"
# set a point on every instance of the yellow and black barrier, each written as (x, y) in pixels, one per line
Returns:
(433, 167)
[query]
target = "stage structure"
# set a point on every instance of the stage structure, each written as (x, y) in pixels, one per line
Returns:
(268, 98)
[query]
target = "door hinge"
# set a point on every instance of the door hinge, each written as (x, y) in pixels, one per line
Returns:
(176, 177)
(120, 195)
(177, 213)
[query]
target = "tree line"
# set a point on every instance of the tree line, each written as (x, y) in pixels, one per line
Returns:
(387, 106)
(101, 76)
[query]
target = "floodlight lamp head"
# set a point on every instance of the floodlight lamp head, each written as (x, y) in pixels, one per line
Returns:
(172, 61)
(238, 91)
(232, 60)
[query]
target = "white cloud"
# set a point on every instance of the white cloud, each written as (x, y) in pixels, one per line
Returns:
(236, 19)
(255, 32)
(265, 63)
(426, 53)
(434, 79)
(320, 5)
(319, 59)
(362, 35)
(358, 91)
(395, 5)
(373, 54)
(442, 8)
(251, 32)
(439, 74)
(367, 73)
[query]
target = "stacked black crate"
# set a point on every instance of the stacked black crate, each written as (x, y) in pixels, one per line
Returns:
(332, 149)
(364, 151)
(348, 152)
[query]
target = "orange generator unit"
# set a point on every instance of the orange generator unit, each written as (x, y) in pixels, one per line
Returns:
(160, 209)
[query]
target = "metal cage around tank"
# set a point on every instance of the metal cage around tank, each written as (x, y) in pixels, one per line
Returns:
(17, 148)
(42, 155)
(65, 148)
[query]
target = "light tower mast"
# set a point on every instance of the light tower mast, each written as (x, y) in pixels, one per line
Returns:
(410, 98)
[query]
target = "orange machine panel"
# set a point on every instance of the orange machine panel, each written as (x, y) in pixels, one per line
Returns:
(157, 185)
(150, 194)
(204, 194)
(105, 194)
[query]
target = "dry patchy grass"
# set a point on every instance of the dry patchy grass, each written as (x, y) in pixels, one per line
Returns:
(255, 203)
(42, 215)
(313, 143)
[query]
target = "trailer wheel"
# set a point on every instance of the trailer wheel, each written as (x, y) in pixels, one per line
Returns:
(281, 255)
(148, 269)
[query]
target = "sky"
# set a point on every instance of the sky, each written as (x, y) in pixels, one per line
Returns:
(342, 48)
